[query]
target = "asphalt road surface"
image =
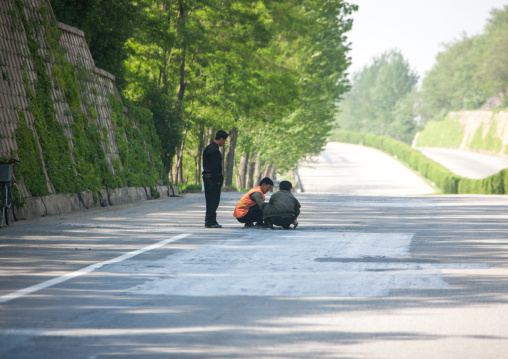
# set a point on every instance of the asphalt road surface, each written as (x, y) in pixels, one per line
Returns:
(363, 276)
(353, 169)
(466, 164)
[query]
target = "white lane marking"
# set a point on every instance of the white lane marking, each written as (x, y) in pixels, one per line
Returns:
(22, 292)
(283, 263)
(101, 332)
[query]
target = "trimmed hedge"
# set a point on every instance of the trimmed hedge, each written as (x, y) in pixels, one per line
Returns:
(442, 177)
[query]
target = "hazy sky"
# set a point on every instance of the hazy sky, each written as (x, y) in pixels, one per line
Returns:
(418, 28)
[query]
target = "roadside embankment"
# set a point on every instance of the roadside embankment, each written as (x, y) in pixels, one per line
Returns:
(478, 131)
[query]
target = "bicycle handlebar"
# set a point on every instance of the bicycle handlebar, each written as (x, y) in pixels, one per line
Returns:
(10, 162)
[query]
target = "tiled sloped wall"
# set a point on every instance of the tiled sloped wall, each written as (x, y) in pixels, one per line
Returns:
(15, 60)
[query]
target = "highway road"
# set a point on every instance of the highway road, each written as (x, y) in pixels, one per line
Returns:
(466, 164)
(353, 169)
(365, 275)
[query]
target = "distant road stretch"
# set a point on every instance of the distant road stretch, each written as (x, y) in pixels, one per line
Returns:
(466, 164)
(352, 169)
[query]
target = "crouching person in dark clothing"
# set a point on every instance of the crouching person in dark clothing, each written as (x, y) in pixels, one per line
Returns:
(283, 208)
(250, 207)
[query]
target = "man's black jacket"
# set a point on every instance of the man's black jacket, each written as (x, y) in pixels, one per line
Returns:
(212, 163)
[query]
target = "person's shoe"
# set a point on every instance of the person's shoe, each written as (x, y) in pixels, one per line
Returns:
(249, 225)
(213, 226)
(266, 226)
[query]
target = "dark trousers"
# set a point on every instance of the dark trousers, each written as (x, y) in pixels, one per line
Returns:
(212, 197)
(281, 221)
(253, 215)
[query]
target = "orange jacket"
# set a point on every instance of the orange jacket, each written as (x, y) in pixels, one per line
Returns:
(245, 203)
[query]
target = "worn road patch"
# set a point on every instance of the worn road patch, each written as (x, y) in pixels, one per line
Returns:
(292, 263)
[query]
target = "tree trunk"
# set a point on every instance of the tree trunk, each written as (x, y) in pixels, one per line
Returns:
(250, 173)
(230, 157)
(198, 158)
(169, 171)
(183, 83)
(257, 173)
(242, 171)
(268, 172)
(178, 171)
(272, 173)
(181, 91)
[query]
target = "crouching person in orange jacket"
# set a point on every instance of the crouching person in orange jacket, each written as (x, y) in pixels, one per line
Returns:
(250, 207)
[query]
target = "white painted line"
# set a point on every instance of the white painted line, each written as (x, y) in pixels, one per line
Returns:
(22, 292)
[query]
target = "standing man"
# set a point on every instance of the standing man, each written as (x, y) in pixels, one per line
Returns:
(213, 178)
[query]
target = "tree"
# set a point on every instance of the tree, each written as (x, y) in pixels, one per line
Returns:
(452, 83)
(382, 99)
(493, 69)
(469, 71)
(260, 69)
(107, 25)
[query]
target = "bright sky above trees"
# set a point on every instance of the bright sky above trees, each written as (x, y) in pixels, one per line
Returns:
(416, 27)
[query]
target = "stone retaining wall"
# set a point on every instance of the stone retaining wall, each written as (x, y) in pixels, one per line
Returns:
(15, 60)
(471, 121)
(57, 204)
(95, 85)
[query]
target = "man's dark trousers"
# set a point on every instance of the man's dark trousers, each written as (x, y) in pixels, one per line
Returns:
(253, 215)
(212, 197)
(281, 221)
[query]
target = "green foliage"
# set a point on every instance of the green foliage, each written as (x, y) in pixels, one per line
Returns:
(31, 167)
(85, 166)
(383, 99)
(443, 178)
(469, 71)
(307, 50)
(490, 142)
(138, 146)
(154, 194)
(493, 69)
(119, 175)
(54, 143)
(89, 160)
(188, 187)
(452, 84)
(105, 135)
(168, 121)
(448, 133)
(107, 24)
(272, 69)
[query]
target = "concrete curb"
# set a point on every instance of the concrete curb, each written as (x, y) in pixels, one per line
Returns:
(56, 204)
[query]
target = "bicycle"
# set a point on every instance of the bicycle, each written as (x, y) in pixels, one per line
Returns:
(6, 180)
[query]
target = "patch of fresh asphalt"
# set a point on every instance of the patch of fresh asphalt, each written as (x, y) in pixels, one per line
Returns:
(363, 276)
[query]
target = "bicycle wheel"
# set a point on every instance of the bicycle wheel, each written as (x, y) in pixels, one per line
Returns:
(9, 208)
(2, 220)
(9, 217)
(4, 191)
